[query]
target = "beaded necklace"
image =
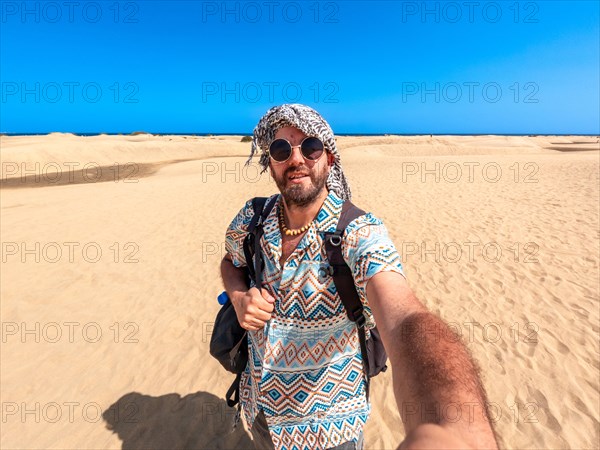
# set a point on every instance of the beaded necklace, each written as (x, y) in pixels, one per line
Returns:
(289, 232)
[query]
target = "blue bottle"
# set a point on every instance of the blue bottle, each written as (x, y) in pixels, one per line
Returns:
(222, 298)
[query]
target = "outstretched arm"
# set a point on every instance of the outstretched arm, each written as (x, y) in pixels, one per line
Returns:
(436, 382)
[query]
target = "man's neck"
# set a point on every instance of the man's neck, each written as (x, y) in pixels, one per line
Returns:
(298, 216)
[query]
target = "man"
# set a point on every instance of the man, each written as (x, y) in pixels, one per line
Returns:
(304, 385)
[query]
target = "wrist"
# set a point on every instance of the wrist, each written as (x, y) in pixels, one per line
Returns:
(236, 297)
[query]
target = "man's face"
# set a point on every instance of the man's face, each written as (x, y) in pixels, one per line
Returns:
(304, 190)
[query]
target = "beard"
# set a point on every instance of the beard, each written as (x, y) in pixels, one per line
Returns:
(300, 194)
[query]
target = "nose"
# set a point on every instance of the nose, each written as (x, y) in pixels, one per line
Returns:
(296, 157)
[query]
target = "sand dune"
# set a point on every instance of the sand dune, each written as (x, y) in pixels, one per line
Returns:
(109, 280)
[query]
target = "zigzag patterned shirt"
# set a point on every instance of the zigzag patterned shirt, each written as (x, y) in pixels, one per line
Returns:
(305, 366)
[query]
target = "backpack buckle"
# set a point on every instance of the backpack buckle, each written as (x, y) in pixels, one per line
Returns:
(236, 419)
(335, 240)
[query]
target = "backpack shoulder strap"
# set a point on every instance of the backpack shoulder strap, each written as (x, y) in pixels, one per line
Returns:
(258, 203)
(344, 280)
(252, 251)
(261, 211)
(338, 269)
(254, 262)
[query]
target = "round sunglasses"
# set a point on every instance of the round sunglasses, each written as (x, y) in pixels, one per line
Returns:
(311, 148)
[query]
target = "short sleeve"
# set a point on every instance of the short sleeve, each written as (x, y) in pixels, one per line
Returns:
(236, 233)
(368, 250)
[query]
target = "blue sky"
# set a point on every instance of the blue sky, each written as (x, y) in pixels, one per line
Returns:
(368, 67)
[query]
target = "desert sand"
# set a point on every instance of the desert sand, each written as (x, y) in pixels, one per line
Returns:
(110, 272)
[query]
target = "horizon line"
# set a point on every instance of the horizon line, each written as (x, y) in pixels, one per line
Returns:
(6, 133)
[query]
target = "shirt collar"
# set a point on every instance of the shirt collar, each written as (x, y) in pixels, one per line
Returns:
(325, 221)
(328, 215)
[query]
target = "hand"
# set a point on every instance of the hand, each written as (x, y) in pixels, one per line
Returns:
(253, 308)
(430, 436)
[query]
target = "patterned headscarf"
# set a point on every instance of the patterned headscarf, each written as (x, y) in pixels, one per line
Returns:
(310, 123)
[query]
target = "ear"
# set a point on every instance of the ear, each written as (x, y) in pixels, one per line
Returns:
(330, 159)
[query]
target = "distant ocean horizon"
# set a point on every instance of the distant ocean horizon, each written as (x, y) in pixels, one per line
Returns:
(4, 133)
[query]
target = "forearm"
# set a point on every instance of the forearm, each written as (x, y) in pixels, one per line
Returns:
(252, 307)
(234, 279)
(436, 380)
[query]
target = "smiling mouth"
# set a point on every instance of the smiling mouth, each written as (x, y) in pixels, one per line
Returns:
(297, 176)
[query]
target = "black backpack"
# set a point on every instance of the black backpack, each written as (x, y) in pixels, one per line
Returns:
(229, 341)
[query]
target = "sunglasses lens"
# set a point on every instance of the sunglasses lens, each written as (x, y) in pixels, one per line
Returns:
(280, 150)
(312, 148)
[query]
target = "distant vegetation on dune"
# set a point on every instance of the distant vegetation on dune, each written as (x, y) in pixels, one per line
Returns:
(247, 139)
